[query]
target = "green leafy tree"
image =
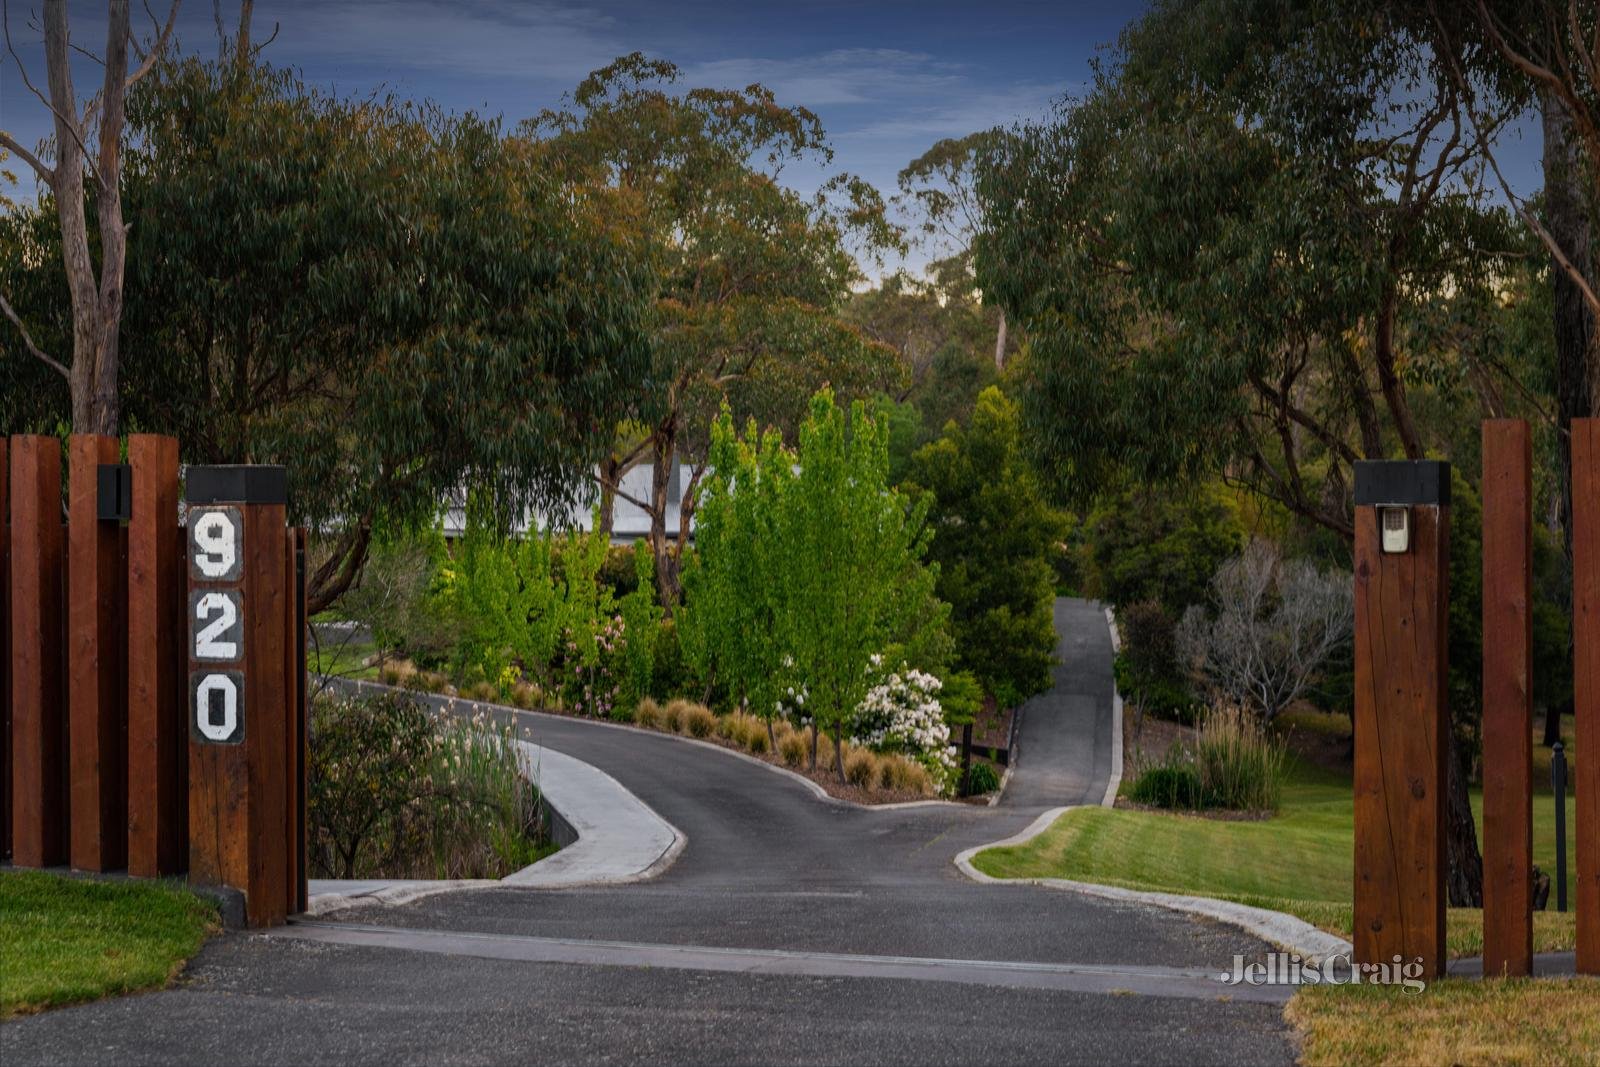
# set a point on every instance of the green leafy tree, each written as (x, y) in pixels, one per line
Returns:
(993, 532)
(853, 580)
(747, 276)
(393, 302)
(1248, 235)
(733, 588)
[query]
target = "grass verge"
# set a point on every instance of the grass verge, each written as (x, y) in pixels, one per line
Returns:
(1299, 861)
(67, 940)
(1506, 1022)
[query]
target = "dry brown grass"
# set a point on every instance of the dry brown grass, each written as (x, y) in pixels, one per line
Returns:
(526, 695)
(1503, 1022)
(648, 713)
(484, 691)
(862, 768)
(757, 741)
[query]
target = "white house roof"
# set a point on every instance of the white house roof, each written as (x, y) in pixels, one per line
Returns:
(629, 522)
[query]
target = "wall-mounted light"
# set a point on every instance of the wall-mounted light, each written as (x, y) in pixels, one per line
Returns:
(1395, 522)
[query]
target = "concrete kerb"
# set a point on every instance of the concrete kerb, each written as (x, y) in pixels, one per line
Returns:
(614, 838)
(455, 704)
(1114, 783)
(1286, 931)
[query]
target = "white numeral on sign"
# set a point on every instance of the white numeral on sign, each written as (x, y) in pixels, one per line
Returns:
(212, 726)
(215, 537)
(223, 613)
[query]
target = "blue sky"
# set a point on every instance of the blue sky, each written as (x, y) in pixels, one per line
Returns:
(887, 78)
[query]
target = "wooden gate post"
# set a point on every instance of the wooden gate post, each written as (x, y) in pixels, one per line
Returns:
(158, 736)
(38, 718)
(1401, 613)
(1507, 698)
(1586, 683)
(5, 650)
(238, 694)
(98, 837)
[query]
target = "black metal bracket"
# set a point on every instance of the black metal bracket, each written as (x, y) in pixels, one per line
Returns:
(114, 492)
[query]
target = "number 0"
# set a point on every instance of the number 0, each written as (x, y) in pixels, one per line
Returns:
(222, 685)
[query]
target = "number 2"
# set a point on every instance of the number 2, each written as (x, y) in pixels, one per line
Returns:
(206, 643)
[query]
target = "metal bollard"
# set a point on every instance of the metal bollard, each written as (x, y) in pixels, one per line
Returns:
(1558, 781)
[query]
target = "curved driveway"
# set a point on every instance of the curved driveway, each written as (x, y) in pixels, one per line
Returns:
(768, 866)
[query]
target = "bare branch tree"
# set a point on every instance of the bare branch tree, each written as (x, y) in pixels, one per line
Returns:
(1276, 623)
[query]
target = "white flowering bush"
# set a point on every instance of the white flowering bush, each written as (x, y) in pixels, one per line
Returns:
(902, 713)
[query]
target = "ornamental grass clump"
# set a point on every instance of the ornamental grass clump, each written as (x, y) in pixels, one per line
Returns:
(901, 774)
(861, 768)
(699, 721)
(1240, 766)
(673, 714)
(648, 714)
(794, 748)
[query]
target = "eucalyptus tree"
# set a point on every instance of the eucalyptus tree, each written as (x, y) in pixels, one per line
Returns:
(84, 184)
(940, 187)
(1249, 252)
(748, 277)
(394, 302)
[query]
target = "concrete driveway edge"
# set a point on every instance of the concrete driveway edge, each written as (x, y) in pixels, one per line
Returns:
(1288, 932)
(620, 840)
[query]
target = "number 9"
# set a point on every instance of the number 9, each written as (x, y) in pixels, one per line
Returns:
(215, 536)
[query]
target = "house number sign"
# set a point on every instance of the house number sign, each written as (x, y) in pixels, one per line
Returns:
(216, 625)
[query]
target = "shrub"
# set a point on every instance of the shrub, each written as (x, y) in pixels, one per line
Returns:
(648, 713)
(861, 768)
(981, 779)
(699, 721)
(485, 692)
(794, 748)
(395, 792)
(825, 749)
(1147, 668)
(673, 714)
(669, 673)
(729, 728)
(1234, 765)
(756, 740)
(1172, 784)
(902, 714)
(623, 713)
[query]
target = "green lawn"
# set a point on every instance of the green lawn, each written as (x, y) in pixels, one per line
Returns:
(65, 940)
(1299, 861)
(343, 659)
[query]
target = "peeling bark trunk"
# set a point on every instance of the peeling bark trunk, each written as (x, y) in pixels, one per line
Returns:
(666, 456)
(1000, 343)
